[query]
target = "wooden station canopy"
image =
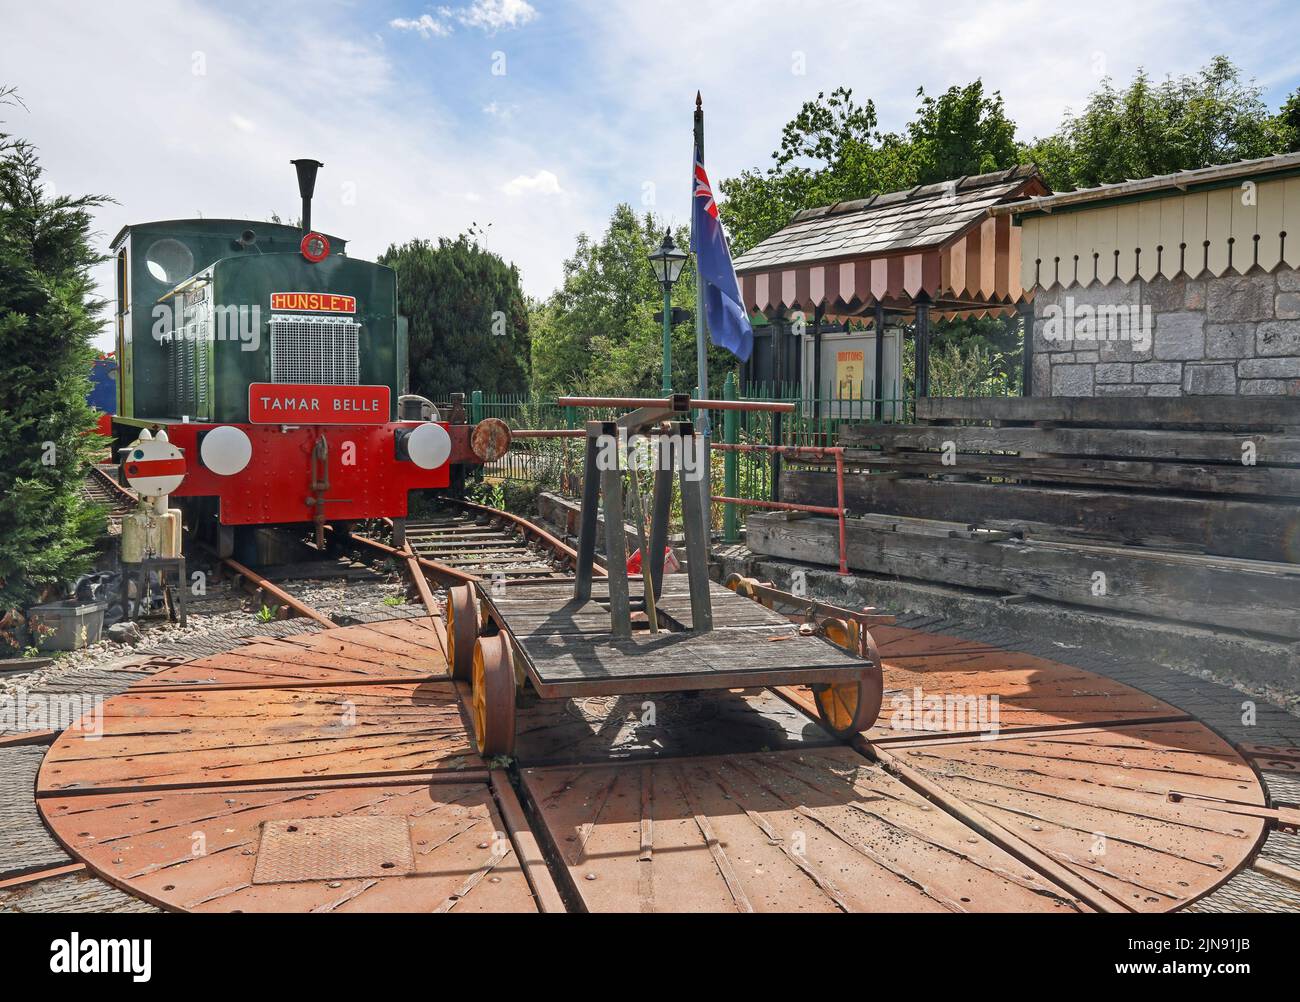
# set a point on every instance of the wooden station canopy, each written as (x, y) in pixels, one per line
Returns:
(936, 245)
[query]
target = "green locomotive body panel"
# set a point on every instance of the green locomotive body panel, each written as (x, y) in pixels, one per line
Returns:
(251, 339)
(152, 259)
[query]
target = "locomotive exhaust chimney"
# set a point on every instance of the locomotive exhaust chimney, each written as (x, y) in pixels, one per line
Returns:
(306, 186)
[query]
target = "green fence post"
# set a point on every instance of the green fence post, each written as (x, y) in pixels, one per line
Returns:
(730, 461)
(476, 406)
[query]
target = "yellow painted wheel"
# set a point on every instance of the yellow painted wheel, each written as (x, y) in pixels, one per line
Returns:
(742, 586)
(844, 633)
(462, 630)
(494, 696)
(846, 708)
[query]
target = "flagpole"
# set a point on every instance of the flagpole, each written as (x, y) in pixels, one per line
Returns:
(701, 342)
(701, 351)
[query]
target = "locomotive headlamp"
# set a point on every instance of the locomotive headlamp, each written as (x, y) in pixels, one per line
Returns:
(225, 450)
(428, 446)
(315, 247)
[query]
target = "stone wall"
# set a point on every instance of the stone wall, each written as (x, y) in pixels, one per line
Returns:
(1234, 334)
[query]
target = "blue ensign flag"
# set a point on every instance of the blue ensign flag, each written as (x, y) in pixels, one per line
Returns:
(728, 322)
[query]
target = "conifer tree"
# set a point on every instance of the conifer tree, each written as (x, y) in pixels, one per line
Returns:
(49, 317)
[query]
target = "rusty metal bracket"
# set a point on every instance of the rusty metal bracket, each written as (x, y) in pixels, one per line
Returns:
(1284, 819)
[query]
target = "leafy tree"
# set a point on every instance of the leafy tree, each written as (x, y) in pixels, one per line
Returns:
(467, 314)
(597, 332)
(832, 151)
(1196, 120)
(48, 320)
(961, 132)
(1288, 124)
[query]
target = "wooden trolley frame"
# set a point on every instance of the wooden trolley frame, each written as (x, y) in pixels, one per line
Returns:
(610, 636)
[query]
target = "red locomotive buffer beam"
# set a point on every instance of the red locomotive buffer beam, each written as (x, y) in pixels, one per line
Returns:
(366, 475)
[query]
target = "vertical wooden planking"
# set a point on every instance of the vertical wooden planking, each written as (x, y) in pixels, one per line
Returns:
(817, 285)
(1291, 221)
(1085, 242)
(1272, 204)
(1194, 221)
(879, 279)
(1126, 242)
(1245, 225)
(1148, 263)
(1107, 221)
(1028, 251)
(1015, 287)
(848, 286)
(912, 274)
(1047, 228)
(1171, 236)
(988, 258)
(1067, 247)
(1218, 228)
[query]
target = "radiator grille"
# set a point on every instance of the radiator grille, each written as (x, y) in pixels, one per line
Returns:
(314, 349)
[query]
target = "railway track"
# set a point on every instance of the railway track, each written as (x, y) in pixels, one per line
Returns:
(100, 487)
(489, 545)
(472, 542)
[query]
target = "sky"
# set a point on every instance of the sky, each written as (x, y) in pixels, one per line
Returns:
(531, 119)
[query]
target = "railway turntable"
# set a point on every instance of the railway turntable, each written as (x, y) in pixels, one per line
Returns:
(613, 635)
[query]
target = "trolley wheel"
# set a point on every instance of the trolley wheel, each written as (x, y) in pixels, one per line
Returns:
(742, 586)
(494, 696)
(846, 708)
(462, 630)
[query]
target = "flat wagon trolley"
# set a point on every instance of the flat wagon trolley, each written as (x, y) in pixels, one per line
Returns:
(650, 632)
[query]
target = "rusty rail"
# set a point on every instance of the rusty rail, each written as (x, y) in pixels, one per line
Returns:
(282, 596)
(111, 486)
(526, 527)
(445, 574)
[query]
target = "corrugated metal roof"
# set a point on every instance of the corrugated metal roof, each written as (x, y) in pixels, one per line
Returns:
(890, 223)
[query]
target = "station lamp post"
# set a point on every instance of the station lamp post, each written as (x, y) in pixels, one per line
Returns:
(667, 262)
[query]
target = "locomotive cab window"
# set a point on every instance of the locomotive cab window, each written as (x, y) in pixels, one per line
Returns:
(122, 290)
(169, 260)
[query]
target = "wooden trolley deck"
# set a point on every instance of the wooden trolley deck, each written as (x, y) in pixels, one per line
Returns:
(566, 647)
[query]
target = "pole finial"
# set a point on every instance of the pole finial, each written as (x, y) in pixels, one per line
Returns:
(699, 101)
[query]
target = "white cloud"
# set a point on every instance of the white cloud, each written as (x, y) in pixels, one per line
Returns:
(495, 109)
(541, 183)
(385, 181)
(493, 15)
(241, 123)
(424, 24)
(488, 16)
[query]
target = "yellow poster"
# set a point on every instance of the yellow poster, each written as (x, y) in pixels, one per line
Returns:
(848, 374)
